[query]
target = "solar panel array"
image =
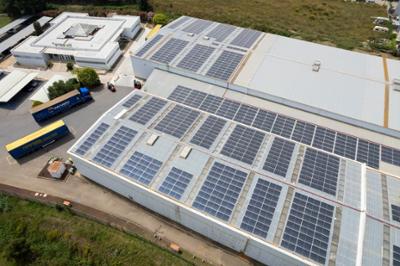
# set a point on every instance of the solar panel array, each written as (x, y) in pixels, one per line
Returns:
(396, 213)
(197, 26)
(246, 38)
(149, 45)
(169, 50)
(175, 183)
(320, 171)
(220, 191)
(221, 32)
(145, 113)
(390, 155)
(396, 255)
(261, 208)
(208, 132)
(141, 168)
(243, 144)
(245, 114)
(319, 137)
(132, 101)
(283, 126)
(178, 22)
(225, 65)
(308, 228)
(279, 157)
(190, 97)
(196, 57)
(92, 139)
(368, 152)
(177, 121)
(115, 146)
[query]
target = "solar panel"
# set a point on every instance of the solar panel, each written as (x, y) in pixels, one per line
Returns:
(149, 44)
(141, 168)
(145, 113)
(132, 101)
(115, 146)
(177, 121)
(324, 139)
(220, 191)
(308, 228)
(197, 26)
(261, 208)
(175, 183)
(243, 144)
(283, 126)
(228, 109)
(211, 103)
(368, 152)
(345, 145)
(303, 132)
(246, 114)
(390, 155)
(396, 213)
(178, 22)
(179, 94)
(221, 32)
(396, 255)
(208, 132)
(92, 139)
(279, 156)
(195, 98)
(246, 38)
(169, 50)
(225, 65)
(264, 120)
(320, 171)
(196, 57)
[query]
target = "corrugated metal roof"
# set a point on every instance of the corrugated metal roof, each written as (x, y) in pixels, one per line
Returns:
(13, 83)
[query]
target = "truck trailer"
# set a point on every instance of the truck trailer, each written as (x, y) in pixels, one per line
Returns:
(60, 104)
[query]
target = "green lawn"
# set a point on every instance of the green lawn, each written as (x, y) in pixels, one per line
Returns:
(4, 20)
(36, 234)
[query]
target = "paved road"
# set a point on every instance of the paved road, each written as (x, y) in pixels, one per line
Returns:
(16, 121)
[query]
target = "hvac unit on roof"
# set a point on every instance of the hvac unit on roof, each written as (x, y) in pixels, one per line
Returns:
(206, 38)
(153, 138)
(396, 84)
(316, 66)
(185, 152)
(190, 34)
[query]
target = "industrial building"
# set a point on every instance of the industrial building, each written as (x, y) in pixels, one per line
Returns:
(77, 37)
(212, 143)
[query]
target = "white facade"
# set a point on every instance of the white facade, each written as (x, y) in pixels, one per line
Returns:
(77, 37)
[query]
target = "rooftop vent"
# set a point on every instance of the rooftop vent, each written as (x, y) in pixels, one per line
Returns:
(316, 66)
(396, 84)
(185, 152)
(190, 34)
(153, 138)
(206, 38)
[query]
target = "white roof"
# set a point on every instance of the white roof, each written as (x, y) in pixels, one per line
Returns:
(13, 24)
(42, 94)
(13, 83)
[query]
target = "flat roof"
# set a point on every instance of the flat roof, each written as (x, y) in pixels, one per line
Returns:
(351, 87)
(358, 190)
(13, 83)
(13, 24)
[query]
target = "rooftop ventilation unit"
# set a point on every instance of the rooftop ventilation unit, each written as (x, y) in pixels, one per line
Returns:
(153, 138)
(190, 34)
(396, 84)
(316, 66)
(206, 38)
(185, 152)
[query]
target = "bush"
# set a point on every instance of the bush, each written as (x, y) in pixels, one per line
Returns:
(36, 103)
(60, 87)
(19, 250)
(88, 77)
(4, 205)
(160, 18)
(70, 66)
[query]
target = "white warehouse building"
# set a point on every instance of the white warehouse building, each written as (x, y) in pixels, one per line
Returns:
(271, 178)
(79, 38)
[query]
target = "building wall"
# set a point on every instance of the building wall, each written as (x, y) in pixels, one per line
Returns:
(190, 218)
(31, 59)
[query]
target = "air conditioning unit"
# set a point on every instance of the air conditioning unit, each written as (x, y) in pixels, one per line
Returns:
(153, 138)
(190, 34)
(206, 38)
(185, 152)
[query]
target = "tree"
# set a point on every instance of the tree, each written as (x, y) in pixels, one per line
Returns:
(19, 250)
(88, 77)
(38, 28)
(144, 5)
(60, 87)
(160, 18)
(16, 8)
(70, 66)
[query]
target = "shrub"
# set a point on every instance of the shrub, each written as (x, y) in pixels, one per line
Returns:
(4, 205)
(70, 66)
(36, 103)
(160, 18)
(88, 77)
(60, 87)
(19, 250)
